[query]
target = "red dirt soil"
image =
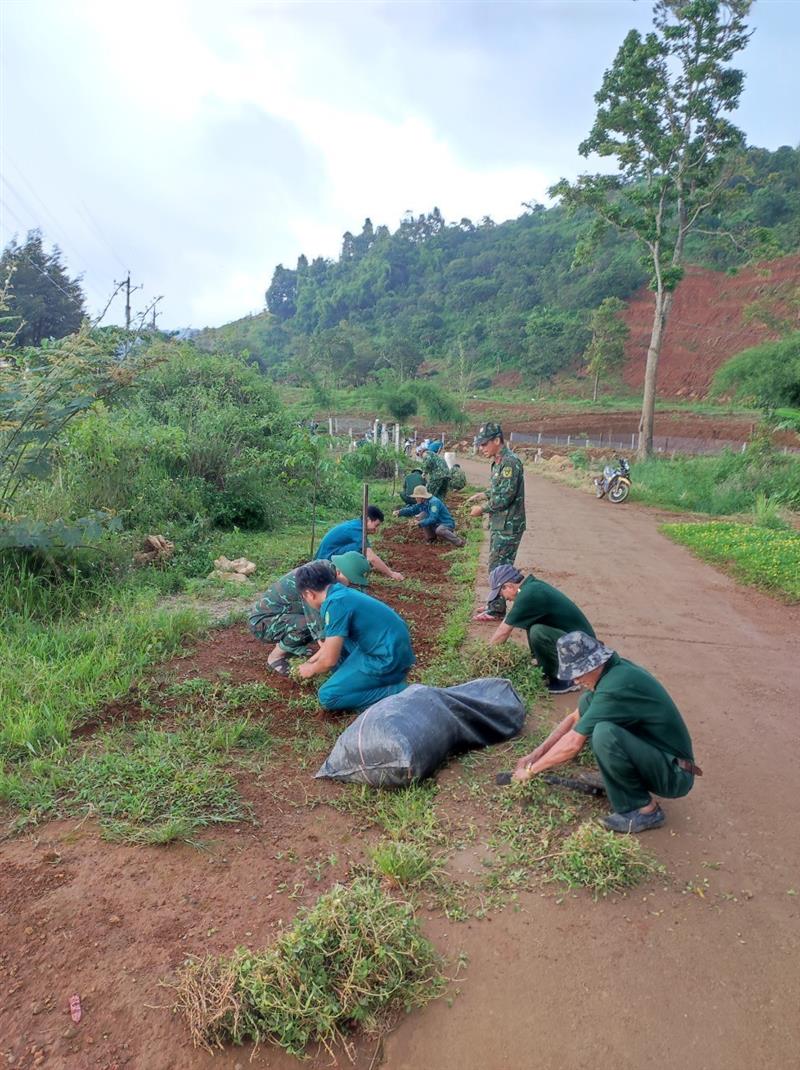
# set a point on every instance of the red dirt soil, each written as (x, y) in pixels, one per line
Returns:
(706, 326)
(109, 922)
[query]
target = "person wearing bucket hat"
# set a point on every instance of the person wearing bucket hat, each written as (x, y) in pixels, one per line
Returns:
(367, 644)
(504, 504)
(435, 520)
(282, 617)
(545, 614)
(638, 737)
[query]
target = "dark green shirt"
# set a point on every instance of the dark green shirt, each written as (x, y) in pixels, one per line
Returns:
(629, 696)
(539, 603)
(506, 496)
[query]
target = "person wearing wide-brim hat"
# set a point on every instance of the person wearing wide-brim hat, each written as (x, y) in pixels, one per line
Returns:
(282, 617)
(435, 520)
(638, 737)
(504, 504)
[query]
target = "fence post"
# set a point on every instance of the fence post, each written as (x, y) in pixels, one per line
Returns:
(632, 440)
(569, 439)
(587, 443)
(539, 439)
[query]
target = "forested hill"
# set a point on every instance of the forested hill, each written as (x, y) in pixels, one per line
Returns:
(499, 295)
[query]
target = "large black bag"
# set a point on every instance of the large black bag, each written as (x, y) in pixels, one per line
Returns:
(408, 736)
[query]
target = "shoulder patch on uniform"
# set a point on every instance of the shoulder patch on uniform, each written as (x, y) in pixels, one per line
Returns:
(507, 471)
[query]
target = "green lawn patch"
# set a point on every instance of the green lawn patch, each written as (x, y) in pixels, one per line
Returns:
(762, 557)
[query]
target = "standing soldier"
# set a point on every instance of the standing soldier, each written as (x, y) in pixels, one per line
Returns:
(436, 472)
(505, 505)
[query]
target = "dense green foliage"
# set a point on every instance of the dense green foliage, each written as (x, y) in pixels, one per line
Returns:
(760, 556)
(767, 375)
(504, 295)
(723, 485)
(44, 301)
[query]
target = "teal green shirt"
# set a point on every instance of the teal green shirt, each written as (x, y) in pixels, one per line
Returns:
(368, 626)
(629, 696)
(540, 603)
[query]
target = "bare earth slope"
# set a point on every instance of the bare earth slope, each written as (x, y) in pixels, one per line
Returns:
(706, 326)
(702, 975)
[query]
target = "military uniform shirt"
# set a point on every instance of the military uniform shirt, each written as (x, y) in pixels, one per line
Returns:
(369, 626)
(629, 696)
(341, 539)
(506, 495)
(539, 603)
(437, 473)
(433, 510)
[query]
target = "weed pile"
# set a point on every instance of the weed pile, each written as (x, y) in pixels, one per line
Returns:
(353, 960)
(601, 860)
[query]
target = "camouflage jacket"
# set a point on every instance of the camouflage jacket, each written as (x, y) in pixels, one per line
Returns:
(436, 472)
(505, 504)
(283, 599)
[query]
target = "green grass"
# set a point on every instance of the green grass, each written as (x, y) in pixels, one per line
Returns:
(407, 865)
(355, 960)
(602, 861)
(720, 486)
(760, 556)
(146, 785)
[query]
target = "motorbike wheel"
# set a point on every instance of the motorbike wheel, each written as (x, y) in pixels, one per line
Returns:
(618, 491)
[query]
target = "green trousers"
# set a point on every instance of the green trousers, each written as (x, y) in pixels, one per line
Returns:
(503, 548)
(542, 640)
(632, 768)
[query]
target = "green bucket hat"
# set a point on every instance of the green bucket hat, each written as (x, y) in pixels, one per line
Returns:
(487, 433)
(354, 566)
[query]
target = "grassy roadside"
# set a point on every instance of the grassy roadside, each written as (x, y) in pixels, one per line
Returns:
(758, 556)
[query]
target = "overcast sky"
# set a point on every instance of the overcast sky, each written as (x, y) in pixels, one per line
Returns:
(200, 143)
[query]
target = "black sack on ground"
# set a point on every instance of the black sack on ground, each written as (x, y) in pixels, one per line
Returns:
(408, 736)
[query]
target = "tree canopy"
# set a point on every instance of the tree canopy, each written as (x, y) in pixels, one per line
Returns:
(45, 300)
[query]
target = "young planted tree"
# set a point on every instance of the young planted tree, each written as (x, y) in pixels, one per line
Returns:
(662, 114)
(609, 334)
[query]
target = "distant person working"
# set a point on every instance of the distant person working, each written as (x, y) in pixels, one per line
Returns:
(347, 536)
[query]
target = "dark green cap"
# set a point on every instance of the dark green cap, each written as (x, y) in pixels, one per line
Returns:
(487, 433)
(354, 566)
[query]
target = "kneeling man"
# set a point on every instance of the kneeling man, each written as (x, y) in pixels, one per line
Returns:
(543, 612)
(435, 519)
(365, 638)
(638, 736)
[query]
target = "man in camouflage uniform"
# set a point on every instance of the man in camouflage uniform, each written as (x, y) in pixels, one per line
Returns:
(504, 503)
(436, 473)
(282, 617)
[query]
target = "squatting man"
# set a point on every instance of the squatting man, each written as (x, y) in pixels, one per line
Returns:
(637, 734)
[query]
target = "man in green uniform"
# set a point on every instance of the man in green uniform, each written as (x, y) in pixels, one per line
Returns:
(435, 520)
(436, 473)
(282, 617)
(366, 643)
(638, 736)
(504, 504)
(544, 612)
(413, 479)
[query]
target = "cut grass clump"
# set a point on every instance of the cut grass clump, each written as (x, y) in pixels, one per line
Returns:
(355, 959)
(601, 860)
(759, 556)
(407, 865)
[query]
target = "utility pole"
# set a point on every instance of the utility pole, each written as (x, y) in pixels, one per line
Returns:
(128, 291)
(154, 314)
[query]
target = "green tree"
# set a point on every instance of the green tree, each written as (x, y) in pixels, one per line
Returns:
(767, 375)
(662, 114)
(609, 334)
(553, 340)
(47, 301)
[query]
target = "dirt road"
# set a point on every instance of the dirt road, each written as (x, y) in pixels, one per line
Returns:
(702, 972)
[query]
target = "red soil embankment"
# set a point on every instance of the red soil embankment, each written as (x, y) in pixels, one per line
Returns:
(706, 325)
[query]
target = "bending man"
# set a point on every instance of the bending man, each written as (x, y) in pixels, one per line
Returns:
(281, 616)
(544, 613)
(366, 643)
(435, 520)
(638, 736)
(347, 536)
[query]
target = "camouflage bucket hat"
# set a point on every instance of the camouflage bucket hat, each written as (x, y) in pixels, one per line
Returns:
(579, 653)
(487, 433)
(421, 492)
(354, 566)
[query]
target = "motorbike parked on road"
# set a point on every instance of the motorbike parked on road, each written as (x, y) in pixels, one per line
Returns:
(615, 482)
